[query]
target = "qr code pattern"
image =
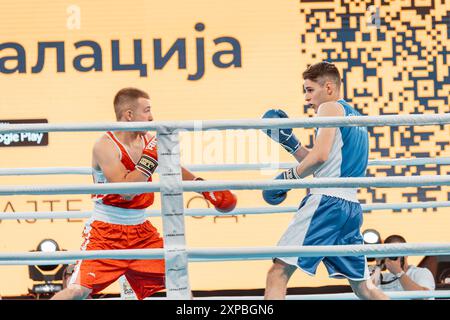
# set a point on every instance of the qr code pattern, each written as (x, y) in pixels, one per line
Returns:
(394, 57)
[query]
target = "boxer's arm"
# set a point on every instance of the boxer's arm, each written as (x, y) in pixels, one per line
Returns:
(187, 175)
(106, 157)
(301, 154)
(324, 141)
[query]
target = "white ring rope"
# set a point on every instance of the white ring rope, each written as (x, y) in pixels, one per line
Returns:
(212, 212)
(233, 254)
(194, 125)
(220, 167)
(199, 186)
(45, 171)
(395, 295)
(398, 295)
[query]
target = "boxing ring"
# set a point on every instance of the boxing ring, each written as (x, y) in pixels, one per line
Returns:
(171, 188)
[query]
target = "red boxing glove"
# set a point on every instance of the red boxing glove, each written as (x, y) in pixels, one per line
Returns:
(223, 201)
(149, 160)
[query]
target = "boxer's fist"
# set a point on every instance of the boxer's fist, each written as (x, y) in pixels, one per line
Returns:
(223, 201)
(275, 197)
(285, 137)
(148, 162)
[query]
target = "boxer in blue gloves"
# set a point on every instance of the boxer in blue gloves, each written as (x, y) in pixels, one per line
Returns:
(326, 216)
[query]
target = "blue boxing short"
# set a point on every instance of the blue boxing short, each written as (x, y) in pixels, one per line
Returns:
(325, 220)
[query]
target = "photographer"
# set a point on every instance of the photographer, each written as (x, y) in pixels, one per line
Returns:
(401, 276)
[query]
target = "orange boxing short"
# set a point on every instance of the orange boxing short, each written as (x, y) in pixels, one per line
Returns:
(145, 276)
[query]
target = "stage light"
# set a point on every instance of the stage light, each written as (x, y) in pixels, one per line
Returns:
(371, 236)
(48, 245)
(47, 279)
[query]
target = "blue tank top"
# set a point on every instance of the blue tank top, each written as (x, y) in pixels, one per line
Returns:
(348, 157)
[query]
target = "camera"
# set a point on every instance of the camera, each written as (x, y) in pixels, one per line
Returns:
(382, 263)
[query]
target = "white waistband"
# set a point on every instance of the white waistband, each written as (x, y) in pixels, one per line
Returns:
(349, 194)
(116, 215)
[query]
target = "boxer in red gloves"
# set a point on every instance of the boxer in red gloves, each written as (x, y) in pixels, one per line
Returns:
(119, 220)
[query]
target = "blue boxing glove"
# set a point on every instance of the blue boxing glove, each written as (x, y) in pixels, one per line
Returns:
(275, 197)
(283, 136)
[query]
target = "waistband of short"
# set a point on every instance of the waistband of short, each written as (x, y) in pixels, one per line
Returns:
(349, 194)
(116, 215)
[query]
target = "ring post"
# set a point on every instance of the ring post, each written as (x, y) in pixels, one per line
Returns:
(172, 212)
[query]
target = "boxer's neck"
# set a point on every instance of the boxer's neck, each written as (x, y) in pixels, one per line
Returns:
(128, 137)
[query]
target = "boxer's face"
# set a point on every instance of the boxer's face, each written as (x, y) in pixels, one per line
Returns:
(318, 92)
(140, 111)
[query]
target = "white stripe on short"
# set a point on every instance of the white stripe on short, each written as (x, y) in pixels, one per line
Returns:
(299, 225)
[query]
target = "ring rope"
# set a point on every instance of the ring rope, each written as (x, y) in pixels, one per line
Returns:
(210, 185)
(213, 212)
(395, 295)
(341, 296)
(233, 254)
(220, 167)
(195, 125)
(398, 295)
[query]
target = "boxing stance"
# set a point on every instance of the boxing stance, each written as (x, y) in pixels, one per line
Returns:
(326, 216)
(119, 220)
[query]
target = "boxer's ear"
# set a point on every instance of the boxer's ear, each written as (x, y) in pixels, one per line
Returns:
(129, 114)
